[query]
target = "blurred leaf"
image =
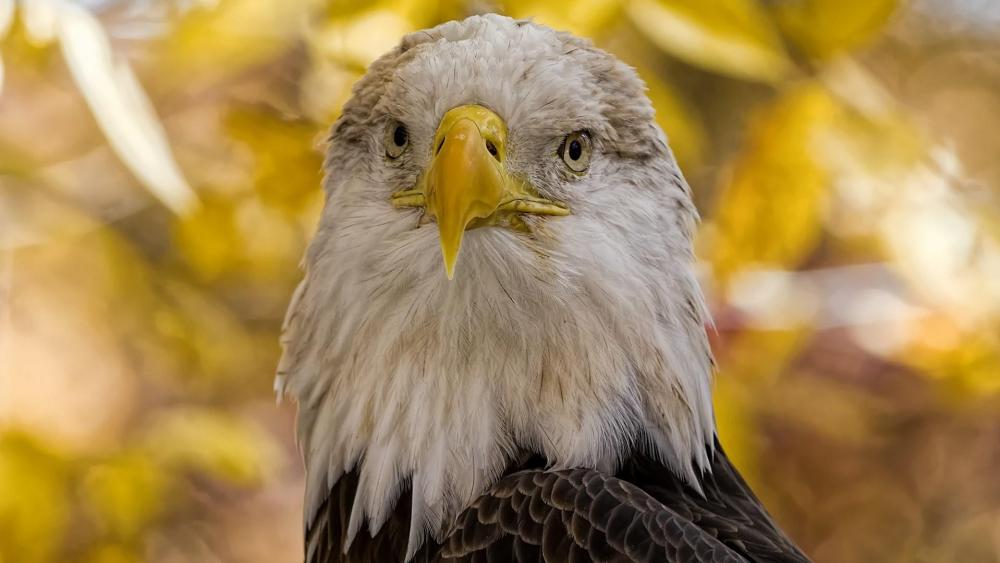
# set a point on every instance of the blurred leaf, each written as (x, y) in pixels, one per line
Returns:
(419, 12)
(21, 51)
(358, 40)
(581, 17)
(894, 182)
(287, 163)
(211, 442)
(967, 361)
(6, 16)
(345, 8)
(259, 236)
(41, 20)
(209, 238)
(325, 88)
(125, 494)
(241, 238)
(823, 28)
(737, 427)
(273, 240)
(878, 137)
(121, 107)
(113, 553)
(751, 364)
(228, 36)
(680, 122)
(734, 37)
(771, 202)
(845, 413)
(759, 357)
(353, 34)
(34, 500)
(80, 293)
(217, 347)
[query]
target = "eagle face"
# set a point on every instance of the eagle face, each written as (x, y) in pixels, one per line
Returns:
(532, 148)
(503, 265)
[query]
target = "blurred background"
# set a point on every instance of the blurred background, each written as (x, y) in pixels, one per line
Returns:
(159, 179)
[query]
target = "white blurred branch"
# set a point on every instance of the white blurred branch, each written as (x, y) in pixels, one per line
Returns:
(115, 97)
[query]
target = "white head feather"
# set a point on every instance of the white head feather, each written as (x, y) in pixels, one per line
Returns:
(583, 341)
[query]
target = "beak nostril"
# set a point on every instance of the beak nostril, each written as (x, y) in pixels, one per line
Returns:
(440, 146)
(492, 149)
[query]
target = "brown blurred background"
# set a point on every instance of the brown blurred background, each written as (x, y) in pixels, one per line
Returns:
(159, 178)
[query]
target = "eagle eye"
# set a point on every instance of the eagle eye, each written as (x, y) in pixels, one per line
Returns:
(575, 151)
(396, 139)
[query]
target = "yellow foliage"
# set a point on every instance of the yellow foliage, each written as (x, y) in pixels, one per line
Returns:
(232, 236)
(734, 37)
(758, 357)
(681, 124)
(752, 363)
(260, 233)
(231, 35)
(113, 553)
(582, 17)
(355, 33)
(359, 40)
(210, 442)
(823, 28)
(736, 426)
(845, 414)
(968, 363)
(771, 200)
(34, 499)
(210, 239)
(286, 156)
(126, 493)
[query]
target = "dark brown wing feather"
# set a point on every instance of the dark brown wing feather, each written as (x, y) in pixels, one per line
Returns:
(577, 516)
(644, 513)
(326, 535)
(728, 510)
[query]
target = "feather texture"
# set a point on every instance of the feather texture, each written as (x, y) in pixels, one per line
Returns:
(533, 515)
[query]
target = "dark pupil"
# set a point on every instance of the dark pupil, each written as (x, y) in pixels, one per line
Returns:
(575, 149)
(399, 136)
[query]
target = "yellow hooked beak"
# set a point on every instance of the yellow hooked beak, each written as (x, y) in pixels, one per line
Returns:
(467, 184)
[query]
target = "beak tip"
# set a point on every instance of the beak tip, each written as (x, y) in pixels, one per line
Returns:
(451, 246)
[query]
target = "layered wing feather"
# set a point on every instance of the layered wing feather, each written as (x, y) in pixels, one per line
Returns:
(727, 510)
(643, 514)
(576, 516)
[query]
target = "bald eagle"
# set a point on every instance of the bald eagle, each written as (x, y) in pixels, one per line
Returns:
(547, 396)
